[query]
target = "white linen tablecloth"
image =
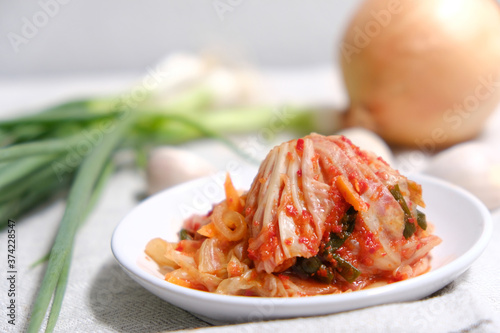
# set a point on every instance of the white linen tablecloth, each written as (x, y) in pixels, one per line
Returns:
(100, 297)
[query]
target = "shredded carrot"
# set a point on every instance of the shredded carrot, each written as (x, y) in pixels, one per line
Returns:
(185, 283)
(232, 196)
(350, 195)
(208, 230)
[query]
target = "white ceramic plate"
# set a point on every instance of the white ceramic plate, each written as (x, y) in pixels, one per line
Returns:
(461, 220)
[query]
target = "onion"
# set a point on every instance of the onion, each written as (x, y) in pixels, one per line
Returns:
(229, 223)
(423, 73)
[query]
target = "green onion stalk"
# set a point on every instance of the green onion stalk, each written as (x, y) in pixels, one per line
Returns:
(68, 148)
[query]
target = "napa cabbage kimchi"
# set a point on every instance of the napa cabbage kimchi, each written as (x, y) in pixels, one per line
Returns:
(321, 217)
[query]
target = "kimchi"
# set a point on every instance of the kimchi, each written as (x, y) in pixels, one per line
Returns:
(321, 217)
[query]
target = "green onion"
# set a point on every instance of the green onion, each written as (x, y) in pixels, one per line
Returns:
(337, 240)
(63, 279)
(320, 266)
(421, 220)
(21, 168)
(45, 177)
(325, 274)
(76, 207)
(207, 132)
(43, 147)
(21, 203)
(23, 134)
(396, 193)
(36, 149)
(310, 265)
(62, 282)
(184, 235)
(410, 227)
(104, 177)
(346, 269)
(56, 117)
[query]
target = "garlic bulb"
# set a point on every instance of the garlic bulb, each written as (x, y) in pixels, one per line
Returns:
(473, 166)
(169, 166)
(368, 140)
(226, 84)
(175, 73)
(233, 86)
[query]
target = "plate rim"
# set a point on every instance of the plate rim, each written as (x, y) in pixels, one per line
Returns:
(462, 263)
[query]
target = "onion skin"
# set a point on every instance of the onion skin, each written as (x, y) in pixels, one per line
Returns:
(427, 74)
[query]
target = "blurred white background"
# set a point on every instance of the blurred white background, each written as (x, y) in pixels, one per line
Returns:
(54, 37)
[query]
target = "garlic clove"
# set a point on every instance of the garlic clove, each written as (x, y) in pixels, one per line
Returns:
(173, 75)
(368, 140)
(472, 166)
(169, 166)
